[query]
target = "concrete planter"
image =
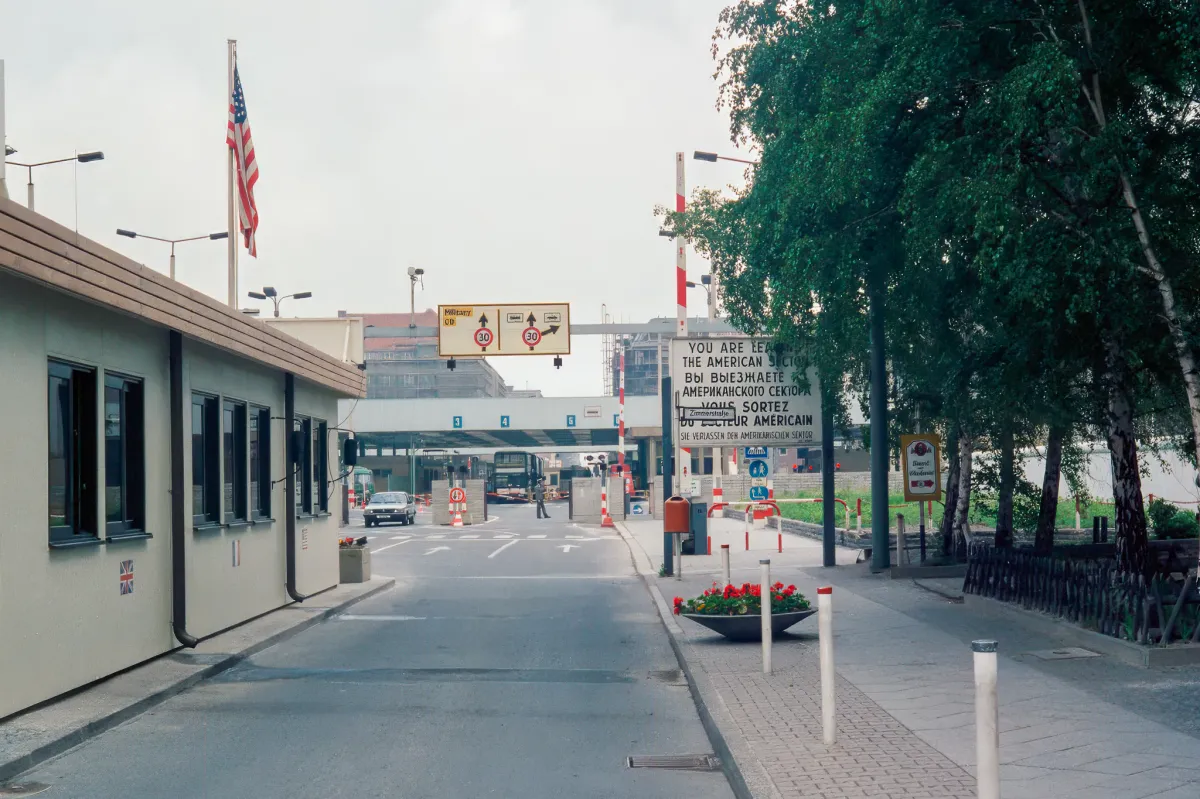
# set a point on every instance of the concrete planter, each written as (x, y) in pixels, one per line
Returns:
(749, 626)
(354, 564)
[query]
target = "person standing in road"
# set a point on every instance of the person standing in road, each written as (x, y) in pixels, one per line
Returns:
(539, 495)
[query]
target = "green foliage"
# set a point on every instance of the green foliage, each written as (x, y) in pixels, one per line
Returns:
(1181, 525)
(731, 600)
(1160, 512)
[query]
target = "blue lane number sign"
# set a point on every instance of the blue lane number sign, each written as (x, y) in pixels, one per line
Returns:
(756, 452)
(758, 469)
(458, 423)
(616, 420)
(570, 420)
(758, 493)
(504, 421)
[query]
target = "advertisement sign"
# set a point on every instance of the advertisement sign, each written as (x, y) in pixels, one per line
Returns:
(922, 466)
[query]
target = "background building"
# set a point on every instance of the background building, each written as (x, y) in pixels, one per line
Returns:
(409, 367)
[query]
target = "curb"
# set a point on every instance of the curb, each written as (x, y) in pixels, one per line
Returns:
(956, 599)
(95, 727)
(729, 766)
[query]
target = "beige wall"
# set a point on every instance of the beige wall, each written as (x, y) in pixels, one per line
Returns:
(338, 337)
(63, 620)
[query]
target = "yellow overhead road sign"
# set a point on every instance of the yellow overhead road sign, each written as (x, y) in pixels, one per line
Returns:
(535, 328)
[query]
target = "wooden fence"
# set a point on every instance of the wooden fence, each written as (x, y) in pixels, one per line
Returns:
(1090, 593)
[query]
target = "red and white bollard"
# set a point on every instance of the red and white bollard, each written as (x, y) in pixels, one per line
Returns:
(781, 543)
(828, 676)
(747, 540)
(605, 519)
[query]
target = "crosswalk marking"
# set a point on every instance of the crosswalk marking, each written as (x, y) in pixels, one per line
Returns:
(465, 537)
(575, 537)
(505, 535)
(401, 537)
(537, 536)
(434, 537)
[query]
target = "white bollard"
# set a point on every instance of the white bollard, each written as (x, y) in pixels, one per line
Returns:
(825, 632)
(725, 564)
(765, 604)
(901, 547)
(987, 721)
(677, 550)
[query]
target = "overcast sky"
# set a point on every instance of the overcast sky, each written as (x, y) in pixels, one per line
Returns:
(514, 149)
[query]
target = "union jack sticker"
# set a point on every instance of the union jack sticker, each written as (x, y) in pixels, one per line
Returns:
(126, 577)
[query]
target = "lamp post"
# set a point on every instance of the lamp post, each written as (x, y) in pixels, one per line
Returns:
(82, 158)
(269, 293)
(211, 236)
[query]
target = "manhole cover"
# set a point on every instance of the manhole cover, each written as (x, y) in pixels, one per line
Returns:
(15, 789)
(678, 762)
(1066, 653)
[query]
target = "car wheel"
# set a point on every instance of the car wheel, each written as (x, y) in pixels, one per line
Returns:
(367, 522)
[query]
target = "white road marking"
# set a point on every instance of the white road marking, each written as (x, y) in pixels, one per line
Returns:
(437, 549)
(352, 617)
(434, 537)
(389, 546)
(568, 547)
(401, 537)
(466, 537)
(506, 535)
(537, 536)
(504, 547)
(611, 577)
(575, 537)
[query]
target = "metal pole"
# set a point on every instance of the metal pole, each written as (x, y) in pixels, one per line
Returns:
(987, 721)
(765, 604)
(921, 505)
(879, 430)
(172, 260)
(667, 470)
(725, 564)
(901, 545)
(621, 419)
(412, 302)
(677, 545)
(29, 191)
(3, 181)
(828, 676)
(828, 542)
(231, 44)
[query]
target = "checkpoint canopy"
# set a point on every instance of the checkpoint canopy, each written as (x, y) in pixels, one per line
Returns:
(736, 392)
(538, 328)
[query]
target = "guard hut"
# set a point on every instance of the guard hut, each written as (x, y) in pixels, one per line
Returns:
(167, 466)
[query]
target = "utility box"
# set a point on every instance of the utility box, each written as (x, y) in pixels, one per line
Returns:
(697, 542)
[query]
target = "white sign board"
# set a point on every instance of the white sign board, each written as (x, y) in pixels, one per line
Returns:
(527, 329)
(742, 374)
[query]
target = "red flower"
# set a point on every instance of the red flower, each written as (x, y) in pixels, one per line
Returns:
(791, 589)
(777, 586)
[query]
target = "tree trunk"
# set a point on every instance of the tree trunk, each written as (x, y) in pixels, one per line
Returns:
(966, 446)
(951, 494)
(1008, 482)
(1043, 540)
(1133, 541)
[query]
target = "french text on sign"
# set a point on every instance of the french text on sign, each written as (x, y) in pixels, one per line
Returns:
(772, 406)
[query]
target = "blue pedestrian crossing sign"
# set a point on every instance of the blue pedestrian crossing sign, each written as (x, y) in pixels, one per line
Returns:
(570, 420)
(758, 493)
(458, 423)
(504, 421)
(756, 452)
(758, 469)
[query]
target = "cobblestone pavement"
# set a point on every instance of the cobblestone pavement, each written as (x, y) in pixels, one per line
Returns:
(906, 696)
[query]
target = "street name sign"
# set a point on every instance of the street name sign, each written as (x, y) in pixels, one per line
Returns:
(535, 328)
(708, 414)
(747, 376)
(756, 452)
(922, 464)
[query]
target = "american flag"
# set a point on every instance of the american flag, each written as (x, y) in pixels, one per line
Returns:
(238, 139)
(126, 578)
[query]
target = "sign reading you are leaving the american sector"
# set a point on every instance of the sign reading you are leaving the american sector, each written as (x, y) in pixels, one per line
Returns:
(745, 375)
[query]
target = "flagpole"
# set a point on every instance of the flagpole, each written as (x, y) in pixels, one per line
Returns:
(229, 176)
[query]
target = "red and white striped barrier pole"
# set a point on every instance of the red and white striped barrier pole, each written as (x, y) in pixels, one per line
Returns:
(605, 519)
(858, 512)
(681, 328)
(621, 423)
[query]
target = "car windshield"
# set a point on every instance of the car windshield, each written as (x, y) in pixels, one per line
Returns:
(390, 498)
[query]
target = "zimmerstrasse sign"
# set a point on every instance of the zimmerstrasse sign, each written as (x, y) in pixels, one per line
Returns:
(745, 377)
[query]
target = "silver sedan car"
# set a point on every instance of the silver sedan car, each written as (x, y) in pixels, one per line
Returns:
(390, 506)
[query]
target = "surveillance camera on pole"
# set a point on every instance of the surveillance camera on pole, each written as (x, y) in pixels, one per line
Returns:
(414, 275)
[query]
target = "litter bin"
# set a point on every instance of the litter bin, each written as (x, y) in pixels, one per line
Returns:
(697, 540)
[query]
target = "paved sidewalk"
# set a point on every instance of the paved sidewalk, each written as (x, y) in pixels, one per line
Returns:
(33, 737)
(906, 695)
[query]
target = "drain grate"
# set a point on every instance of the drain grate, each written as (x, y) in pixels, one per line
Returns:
(13, 790)
(677, 762)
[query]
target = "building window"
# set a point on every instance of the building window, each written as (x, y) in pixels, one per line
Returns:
(321, 465)
(233, 421)
(124, 456)
(206, 465)
(304, 467)
(260, 463)
(72, 449)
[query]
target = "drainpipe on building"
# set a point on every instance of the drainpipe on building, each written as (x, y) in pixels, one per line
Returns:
(178, 517)
(289, 500)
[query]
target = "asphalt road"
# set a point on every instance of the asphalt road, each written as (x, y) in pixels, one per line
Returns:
(517, 658)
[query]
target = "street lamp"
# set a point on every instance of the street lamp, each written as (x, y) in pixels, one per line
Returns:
(706, 284)
(414, 275)
(700, 155)
(211, 236)
(269, 293)
(83, 158)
